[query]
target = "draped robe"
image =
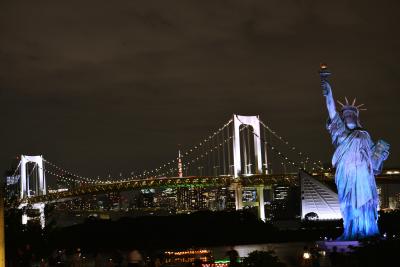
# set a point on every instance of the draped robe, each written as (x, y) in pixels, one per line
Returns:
(354, 179)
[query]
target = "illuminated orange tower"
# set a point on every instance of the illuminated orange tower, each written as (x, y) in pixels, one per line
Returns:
(180, 171)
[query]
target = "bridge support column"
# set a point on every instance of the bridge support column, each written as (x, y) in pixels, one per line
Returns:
(260, 197)
(36, 206)
(40, 207)
(238, 196)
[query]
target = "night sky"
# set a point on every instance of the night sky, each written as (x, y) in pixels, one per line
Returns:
(105, 86)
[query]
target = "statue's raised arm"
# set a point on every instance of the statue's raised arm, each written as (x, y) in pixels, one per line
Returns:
(327, 91)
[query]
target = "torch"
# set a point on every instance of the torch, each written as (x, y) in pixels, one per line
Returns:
(324, 73)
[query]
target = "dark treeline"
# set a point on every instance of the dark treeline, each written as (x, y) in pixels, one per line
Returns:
(200, 229)
(204, 228)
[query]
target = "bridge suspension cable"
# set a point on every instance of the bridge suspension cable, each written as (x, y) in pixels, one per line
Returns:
(283, 157)
(305, 157)
(160, 171)
(211, 156)
(190, 162)
(16, 169)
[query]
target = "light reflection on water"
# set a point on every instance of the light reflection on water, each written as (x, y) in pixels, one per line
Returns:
(289, 253)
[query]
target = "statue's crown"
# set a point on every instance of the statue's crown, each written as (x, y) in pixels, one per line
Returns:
(351, 107)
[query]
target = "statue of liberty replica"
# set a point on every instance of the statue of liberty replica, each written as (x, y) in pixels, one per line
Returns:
(357, 160)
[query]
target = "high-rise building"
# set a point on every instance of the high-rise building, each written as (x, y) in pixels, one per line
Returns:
(249, 195)
(146, 199)
(397, 199)
(394, 201)
(383, 192)
(281, 192)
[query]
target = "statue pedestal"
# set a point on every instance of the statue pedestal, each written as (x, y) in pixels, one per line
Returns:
(342, 246)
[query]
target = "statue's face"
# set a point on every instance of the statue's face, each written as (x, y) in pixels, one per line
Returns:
(350, 118)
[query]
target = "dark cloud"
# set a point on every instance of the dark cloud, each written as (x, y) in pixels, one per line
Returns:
(103, 87)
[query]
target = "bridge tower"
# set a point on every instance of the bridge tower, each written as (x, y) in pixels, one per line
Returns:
(37, 189)
(40, 184)
(254, 122)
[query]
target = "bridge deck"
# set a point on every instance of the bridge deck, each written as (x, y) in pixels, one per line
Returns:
(190, 181)
(169, 182)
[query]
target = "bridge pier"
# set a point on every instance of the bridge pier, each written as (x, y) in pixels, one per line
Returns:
(237, 187)
(35, 206)
(260, 198)
(238, 196)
